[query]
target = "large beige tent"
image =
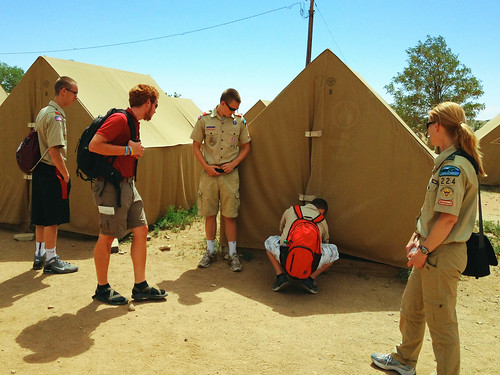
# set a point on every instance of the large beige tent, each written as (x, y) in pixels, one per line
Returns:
(3, 95)
(489, 138)
(167, 173)
(256, 109)
(188, 109)
(329, 135)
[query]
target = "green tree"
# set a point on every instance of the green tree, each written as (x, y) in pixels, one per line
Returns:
(10, 76)
(174, 95)
(433, 75)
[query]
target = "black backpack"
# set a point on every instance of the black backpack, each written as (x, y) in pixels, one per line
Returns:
(90, 165)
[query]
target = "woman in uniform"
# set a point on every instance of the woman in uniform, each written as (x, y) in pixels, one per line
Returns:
(437, 249)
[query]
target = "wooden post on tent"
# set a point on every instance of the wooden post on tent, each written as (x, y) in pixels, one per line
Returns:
(310, 33)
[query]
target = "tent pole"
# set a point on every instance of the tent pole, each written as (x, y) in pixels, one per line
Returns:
(309, 36)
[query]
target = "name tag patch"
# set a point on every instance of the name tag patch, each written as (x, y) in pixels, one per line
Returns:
(450, 170)
(445, 202)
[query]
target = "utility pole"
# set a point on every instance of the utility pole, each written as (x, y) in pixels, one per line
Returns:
(310, 34)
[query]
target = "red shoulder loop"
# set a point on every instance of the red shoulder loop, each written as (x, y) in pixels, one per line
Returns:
(319, 219)
(298, 211)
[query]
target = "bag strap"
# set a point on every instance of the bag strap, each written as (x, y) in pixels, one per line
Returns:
(133, 135)
(481, 231)
(476, 168)
(316, 220)
(298, 211)
(45, 153)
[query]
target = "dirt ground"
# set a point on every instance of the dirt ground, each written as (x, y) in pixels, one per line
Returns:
(215, 321)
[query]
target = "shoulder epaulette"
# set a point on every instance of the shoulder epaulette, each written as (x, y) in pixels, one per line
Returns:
(204, 114)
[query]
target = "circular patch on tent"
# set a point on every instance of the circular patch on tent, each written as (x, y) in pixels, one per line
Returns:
(330, 81)
(345, 114)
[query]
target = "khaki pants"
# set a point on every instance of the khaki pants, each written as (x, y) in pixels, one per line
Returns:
(430, 297)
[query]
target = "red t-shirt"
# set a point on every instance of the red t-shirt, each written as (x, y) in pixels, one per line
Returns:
(116, 130)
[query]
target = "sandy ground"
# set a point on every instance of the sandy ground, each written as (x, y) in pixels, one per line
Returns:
(215, 321)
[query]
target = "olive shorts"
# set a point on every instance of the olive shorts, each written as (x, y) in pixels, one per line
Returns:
(223, 189)
(114, 221)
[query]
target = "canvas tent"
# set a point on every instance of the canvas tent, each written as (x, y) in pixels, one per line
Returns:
(256, 109)
(188, 109)
(489, 140)
(3, 95)
(329, 135)
(167, 173)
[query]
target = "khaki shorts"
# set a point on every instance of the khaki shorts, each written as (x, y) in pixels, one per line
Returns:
(223, 188)
(114, 221)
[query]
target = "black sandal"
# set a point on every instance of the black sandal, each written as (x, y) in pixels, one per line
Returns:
(110, 296)
(148, 293)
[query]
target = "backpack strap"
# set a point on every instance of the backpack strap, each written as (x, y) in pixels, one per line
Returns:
(298, 211)
(316, 220)
(133, 134)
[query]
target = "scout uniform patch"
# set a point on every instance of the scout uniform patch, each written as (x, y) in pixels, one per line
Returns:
(450, 170)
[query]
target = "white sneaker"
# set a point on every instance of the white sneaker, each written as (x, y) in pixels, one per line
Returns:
(386, 362)
(235, 264)
(207, 259)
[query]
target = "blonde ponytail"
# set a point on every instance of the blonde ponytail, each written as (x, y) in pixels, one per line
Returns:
(467, 141)
(451, 116)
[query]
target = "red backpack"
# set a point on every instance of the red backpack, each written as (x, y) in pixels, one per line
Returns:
(304, 245)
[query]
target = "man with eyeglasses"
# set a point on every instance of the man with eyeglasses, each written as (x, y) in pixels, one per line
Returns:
(226, 141)
(51, 182)
(113, 139)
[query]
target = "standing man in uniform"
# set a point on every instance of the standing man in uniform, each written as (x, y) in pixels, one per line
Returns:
(51, 182)
(222, 132)
(114, 139)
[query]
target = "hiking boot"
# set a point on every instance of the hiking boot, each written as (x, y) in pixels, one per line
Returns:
(280, 283)
(234, 263)
(310, 285)
(56, 265)
(39, 262)
(207, 260)
(386, 362)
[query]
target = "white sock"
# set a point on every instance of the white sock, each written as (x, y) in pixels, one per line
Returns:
(232, 248)
(51, 253)
(211, 246)
(40, 249)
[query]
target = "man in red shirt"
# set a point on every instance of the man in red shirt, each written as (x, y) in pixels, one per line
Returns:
(114, 139)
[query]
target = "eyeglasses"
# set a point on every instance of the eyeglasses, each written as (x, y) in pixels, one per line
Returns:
(429, 123)
(74, 92)
(154, 102)
(231, 108)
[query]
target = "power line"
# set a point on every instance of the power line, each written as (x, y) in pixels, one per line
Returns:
(156, 38)
(331, 34)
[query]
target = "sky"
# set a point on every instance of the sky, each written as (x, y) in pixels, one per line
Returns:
(200, 48)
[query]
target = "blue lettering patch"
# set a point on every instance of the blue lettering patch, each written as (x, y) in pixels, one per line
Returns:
(449, 170)
(210, 127)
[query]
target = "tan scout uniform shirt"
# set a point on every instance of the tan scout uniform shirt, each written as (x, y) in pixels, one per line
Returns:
(452, 189)
(51, 128)
(221, 136)
(310, 212)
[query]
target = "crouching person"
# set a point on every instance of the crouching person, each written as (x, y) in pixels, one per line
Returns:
(302, 251)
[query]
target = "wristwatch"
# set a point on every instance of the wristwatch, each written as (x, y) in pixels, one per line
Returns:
(423, 250)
